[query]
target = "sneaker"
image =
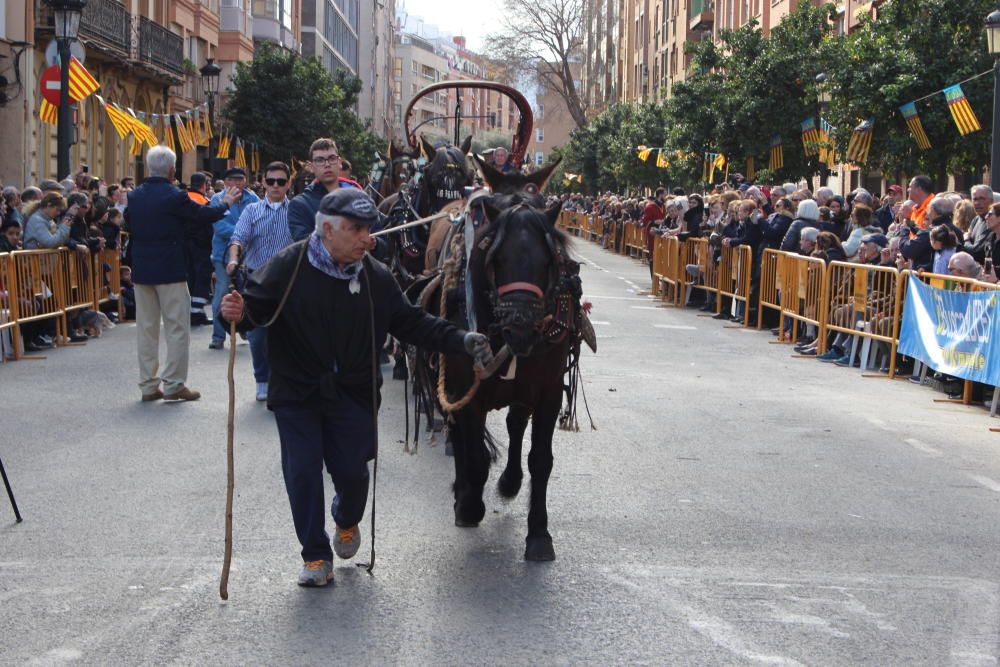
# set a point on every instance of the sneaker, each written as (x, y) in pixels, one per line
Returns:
(182, 394)
(261, 391)
(808, 352)
(832, 355)
(843, 361)
(316, 573)
(346, 541)
(46, 340)
(216, 344)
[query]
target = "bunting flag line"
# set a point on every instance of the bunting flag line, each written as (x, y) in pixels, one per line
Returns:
(183, 138)
(661, 160)
(912, 118)
(168, 134)
(240, 157)
(48, 113)
(828, 147)
(136, 148)
(810, 136)
(777, 154)
(81, 82)
(255, 159)
(707, 170)
(721, 163)
(223, 147)
(644, 154)
(143, 132)
(751, 172)
(961, 110)
(861, 142)
(121, 120)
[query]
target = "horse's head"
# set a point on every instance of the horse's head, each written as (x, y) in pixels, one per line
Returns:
(522, 266)
(529, 186)
(400, 166)
(447, 173)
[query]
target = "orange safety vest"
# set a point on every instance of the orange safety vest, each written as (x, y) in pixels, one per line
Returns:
(198, 198)
(919, 215)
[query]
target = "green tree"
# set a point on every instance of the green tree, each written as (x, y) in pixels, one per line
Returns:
(283, 102)
(914, 48)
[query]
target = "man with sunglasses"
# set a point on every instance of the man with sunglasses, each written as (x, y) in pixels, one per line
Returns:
(260, 234)
(325, 164)
(234, 178)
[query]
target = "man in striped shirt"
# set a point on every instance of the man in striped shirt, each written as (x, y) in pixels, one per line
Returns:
(261, 232)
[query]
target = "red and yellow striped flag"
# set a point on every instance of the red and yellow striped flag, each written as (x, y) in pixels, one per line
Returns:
(777, 154)
(208, 128)
(961, 110)
(136, 148)
(48, 113)
(913, 122)
(224, 146)
(240, 158)
(142, 131)
(751, 172)
(168, 133)
(183, 136)
(121, 120)
(81, 82)
(861, 142)
(810, 136)
(255, 159)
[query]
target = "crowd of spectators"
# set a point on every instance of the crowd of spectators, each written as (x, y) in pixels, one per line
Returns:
(948, 233)
(86, 215)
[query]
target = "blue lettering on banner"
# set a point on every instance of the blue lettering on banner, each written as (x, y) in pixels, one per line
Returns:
(955, 333)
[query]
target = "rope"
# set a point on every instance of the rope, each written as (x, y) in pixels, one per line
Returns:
(452, 266)
(938, 92)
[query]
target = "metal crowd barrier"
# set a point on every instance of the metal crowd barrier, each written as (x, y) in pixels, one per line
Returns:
(699, 255)
(863, 300)
(734, 275)
(46, 284)
(668, 279)
(802, 284)
(770, 297)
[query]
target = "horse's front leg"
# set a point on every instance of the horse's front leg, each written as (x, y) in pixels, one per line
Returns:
(472, 466)
(517, 422)
(538, 544)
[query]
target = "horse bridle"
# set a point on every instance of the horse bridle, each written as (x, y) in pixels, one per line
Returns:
(518, 311)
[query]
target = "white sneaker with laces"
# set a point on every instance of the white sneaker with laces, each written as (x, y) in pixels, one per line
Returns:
(261, 391)
(316, 573)
(346, 541)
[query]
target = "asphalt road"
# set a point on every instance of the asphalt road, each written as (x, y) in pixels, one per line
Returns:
(735, 506)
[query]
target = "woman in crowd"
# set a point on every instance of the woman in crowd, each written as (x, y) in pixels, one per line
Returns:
(944, 242)
(862, 224)
(42, 229)
(806, 215)
(963, 216)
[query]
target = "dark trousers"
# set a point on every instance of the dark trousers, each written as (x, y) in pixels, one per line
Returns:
(199, 271)
(343, 441)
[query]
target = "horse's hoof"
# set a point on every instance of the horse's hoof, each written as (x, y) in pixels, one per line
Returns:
(509, 485)
(399, 371)
(468, 514)
(539, 549)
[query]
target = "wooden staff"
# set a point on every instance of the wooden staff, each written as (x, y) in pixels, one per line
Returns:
(415, 223)
(230, 468)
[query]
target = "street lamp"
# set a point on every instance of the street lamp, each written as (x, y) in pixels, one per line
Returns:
(823, 97)
(993, 40)
(67, 26)
(210, 83)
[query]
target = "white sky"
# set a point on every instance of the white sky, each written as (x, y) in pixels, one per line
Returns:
(472, 18)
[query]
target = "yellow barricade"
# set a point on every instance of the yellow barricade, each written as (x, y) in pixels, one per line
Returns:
(635, 241)
(78, 277)
(802, 286)
(734, 273)
(107, 283)
(9, 305)
(667, 278)
(864, 301)
(38, 279)
(769, 283)
(953, 283)
(698, 254)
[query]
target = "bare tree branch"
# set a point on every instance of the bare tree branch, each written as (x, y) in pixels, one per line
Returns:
(541, 39)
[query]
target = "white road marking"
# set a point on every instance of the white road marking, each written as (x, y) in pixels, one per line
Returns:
(587, 297)
(875, 421)
(599, 322)
(923, 447)
(990, 484)
(679, 327)
(646, 307)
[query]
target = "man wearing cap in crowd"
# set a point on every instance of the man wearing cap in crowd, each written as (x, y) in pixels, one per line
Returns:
(223, 232)
(870, 250)
(325, 162)
(885, 214)
(339, 305)
(198, 253)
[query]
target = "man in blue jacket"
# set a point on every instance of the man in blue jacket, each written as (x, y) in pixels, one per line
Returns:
(157, 214)
(324, 160)
(235, 179)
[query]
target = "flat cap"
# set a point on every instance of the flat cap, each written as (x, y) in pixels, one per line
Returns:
(234, 172)
(350, 203)
(878, 239)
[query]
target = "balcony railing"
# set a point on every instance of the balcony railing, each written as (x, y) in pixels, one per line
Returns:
(108, 25)
(158, 46)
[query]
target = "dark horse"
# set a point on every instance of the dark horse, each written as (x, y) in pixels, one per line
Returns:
(389, 172)
(443, 180)
(525, 296)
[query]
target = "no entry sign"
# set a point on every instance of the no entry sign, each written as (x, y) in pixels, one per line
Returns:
(50, 85)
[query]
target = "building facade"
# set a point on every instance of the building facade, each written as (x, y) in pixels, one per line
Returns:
(375, 61)
(145, 55)
(330, 30)
(599, 73)
(553, 124)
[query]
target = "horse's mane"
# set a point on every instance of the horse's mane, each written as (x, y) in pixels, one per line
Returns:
(521, 203)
